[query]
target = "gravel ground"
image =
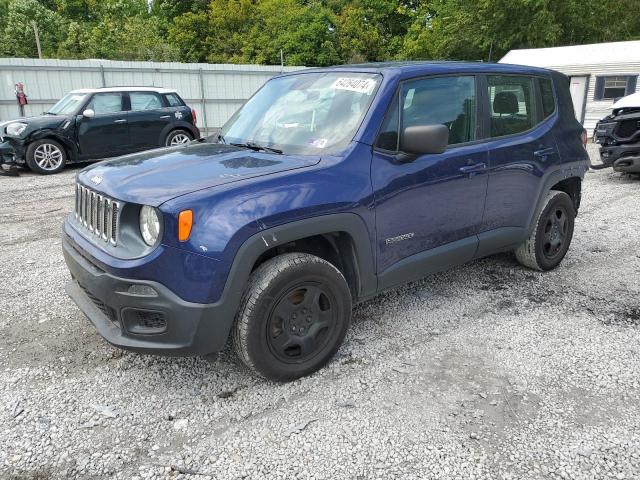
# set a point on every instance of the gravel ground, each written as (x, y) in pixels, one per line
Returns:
(486, 371)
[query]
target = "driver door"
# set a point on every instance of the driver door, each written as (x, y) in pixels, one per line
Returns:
(429, 209)
(107, 133)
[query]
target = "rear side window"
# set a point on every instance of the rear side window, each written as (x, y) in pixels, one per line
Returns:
(546, 95)
(450, 101)
(173, 100)
(144, 101)
(103, 103)
(511, 102)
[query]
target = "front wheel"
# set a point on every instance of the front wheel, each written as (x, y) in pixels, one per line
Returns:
(46, 156)
(551, 237)
(293, 317)
(178, 137)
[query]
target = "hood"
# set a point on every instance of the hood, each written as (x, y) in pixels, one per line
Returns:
(630, 101)
(155, 176)
(36, 123)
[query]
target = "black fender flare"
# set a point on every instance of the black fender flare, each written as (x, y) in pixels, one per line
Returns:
(562, 172)
(254, 246)
(349, 223)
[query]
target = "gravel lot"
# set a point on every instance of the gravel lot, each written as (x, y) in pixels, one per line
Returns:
(487, 371)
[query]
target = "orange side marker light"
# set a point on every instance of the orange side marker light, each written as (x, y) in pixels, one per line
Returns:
(185, 222)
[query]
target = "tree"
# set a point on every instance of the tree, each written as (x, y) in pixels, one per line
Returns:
(304, 33)
(136, 38)
(188, 36)
(230, 23)
(18, 35)
(470, 29)
(80, 11)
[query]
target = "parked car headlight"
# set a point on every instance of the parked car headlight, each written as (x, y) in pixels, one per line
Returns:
(149, 225)
(15, 128)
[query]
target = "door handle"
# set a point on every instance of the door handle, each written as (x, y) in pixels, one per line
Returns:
(120, 120)
(165, 116)
(545, 152)
(474, 168)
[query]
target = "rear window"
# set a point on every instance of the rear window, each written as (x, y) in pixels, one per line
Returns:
(173, 100)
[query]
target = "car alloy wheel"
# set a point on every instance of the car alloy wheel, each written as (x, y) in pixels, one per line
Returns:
(179, 139)
(48, 156)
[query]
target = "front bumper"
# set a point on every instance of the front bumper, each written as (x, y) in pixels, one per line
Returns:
(7, 152)
(623, 158)
(12, 148)
(139, 321)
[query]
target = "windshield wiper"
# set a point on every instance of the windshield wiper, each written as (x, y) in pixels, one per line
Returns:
(255, 147)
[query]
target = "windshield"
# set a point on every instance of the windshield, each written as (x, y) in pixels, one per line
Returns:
(307, 113)
(68, 104)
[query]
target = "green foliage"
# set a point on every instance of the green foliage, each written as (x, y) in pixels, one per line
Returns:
(308, 32)
(18, 34)
(471, 29)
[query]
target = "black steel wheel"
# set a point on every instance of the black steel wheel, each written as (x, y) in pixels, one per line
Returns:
(293, 317)
(300, 322)
(555, 232)
(551, 237)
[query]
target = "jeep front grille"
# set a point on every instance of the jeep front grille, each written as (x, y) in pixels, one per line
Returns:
(626, 128)
(97, 213)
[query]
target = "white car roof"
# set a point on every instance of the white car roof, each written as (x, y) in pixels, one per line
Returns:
(630, 101)
(124, 89)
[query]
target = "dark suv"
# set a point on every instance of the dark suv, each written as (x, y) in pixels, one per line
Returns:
(619, 136)
(325, 188)
(92, 124)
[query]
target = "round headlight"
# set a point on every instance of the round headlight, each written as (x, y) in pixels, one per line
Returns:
(149, 225)
(15, 128)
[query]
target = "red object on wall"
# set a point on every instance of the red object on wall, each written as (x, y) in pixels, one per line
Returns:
(20, 95)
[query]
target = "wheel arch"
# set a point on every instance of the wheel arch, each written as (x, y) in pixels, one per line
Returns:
(572, 186)
(342, 239)
(70, 148)
(566, 178)
(173, 127)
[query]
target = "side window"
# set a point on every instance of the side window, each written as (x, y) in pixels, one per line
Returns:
(173, 100)
(546, 94)
(449, 101)
(144, 101)
(103, 103)
(511, 104)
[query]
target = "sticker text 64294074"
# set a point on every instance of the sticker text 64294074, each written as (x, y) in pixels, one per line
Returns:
(360, 85)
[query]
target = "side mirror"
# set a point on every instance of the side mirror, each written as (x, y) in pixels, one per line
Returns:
(422, 139)
(88, 113)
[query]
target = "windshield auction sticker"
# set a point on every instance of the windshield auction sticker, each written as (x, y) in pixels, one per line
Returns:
(360, 85)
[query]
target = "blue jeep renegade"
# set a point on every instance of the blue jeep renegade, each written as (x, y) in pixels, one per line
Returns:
(326, 187)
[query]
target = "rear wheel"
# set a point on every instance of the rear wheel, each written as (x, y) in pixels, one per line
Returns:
(550, 239)
(46, 156)
(178, 137)
(293, 317)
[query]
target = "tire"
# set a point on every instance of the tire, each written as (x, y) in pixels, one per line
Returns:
(178, 137)
(46, 156)
(293, 317)
(551, 237)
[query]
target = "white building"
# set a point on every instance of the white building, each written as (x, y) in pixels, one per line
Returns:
(600, 73)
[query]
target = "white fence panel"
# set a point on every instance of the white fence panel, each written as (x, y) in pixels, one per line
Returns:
(215, 91)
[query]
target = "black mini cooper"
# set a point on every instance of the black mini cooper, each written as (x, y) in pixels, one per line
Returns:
(92, 124)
